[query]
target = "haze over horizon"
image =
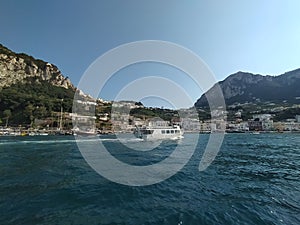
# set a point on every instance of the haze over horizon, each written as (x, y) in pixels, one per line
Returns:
(261, 37)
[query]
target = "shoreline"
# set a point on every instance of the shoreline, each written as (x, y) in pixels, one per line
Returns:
(12, 131)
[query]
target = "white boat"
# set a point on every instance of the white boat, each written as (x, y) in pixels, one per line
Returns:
(157, 133)
(87, 131)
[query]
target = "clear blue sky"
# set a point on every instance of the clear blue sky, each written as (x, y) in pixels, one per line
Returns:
(259, 36)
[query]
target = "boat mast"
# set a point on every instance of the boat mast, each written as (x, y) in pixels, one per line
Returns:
(61, 115)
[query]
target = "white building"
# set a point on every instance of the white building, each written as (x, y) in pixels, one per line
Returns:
(262, 117)
(267, 125)
(266, 121)
(189, 124)
(104, 116)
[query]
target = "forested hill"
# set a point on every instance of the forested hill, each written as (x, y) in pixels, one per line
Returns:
(31, 88)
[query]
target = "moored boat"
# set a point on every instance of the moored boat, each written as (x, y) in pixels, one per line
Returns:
(84, 132)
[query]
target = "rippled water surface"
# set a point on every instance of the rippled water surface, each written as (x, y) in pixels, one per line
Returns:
(255, 179)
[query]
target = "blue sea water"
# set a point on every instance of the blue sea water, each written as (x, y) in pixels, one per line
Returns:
(255, 179)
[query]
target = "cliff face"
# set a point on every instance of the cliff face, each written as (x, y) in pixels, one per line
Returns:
(244, 87)
(21, 68)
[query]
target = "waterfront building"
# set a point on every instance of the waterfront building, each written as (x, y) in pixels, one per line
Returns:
(255, 125)
(297, 118)
(190, 124)
(261, 122)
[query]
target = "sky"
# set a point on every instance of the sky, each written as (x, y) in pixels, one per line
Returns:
(257, 36)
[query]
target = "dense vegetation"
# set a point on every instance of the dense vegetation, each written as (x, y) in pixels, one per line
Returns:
(33, 100)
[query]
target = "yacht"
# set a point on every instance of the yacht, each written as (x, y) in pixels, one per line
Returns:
(160, 132)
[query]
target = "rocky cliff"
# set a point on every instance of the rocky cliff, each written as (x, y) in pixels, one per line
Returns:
(31, 89)
(21, 68)
(244, 87)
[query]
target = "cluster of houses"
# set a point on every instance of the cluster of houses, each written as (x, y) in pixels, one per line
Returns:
(123, 122)
(190, 123)
(259, 122)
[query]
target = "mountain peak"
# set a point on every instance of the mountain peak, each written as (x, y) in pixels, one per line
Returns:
(242, 87)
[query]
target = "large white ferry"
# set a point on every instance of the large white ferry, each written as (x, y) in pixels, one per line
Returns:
(160, 132)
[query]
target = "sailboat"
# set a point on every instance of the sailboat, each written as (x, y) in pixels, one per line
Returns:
(60, 130)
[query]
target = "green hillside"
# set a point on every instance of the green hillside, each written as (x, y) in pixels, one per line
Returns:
(30, 101)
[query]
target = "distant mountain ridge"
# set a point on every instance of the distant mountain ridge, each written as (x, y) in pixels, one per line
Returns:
(243, 87)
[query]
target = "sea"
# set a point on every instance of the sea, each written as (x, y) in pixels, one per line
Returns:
(254, 179)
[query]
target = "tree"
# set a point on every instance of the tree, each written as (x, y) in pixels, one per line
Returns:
(29, 113)
(40, 112)
(7, 115)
